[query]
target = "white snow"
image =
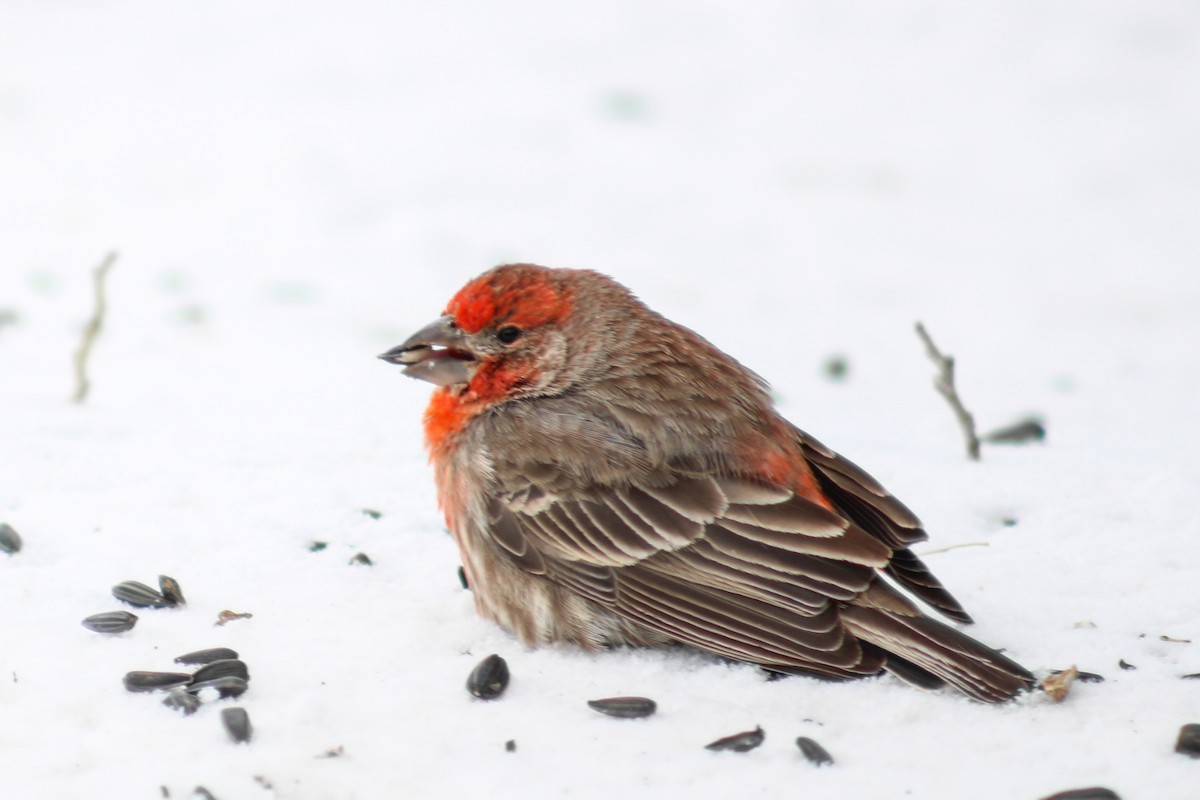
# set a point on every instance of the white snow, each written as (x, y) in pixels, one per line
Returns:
(295, 187)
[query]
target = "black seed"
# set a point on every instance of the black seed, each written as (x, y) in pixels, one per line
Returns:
(10, 540)
(1123, 664)
(489, 678)
(179, 700)
(1193, 676)
(110, 622)
(237, 724)
(372, 513)
(1083, 677)
(510, 746)
(203, 794)
(462, 578)
(1094, 793)
(223, 668)
(229, 686)
(139, 595)
(153, 681)
(170, 590)
(625, 707)
(1189, 740)
(1027, 430)
(206, 656)
(361, 558)
(316, 547)
(739, 742)
(814, 752)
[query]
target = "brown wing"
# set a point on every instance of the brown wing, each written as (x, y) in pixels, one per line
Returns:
(742, 569)
(860, 498)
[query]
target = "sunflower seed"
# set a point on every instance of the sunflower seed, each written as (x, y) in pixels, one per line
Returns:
(139, 595)
(229, 686)
(179, 700)
(1123, 664)
(316, 547)
(625, 707)
(812, 751)
(203, 794)
(1027, 430)
(462, 578)
(1092, 793)
(489, 678)
(223, 668)
(1189, 740)
(237, 724)
(10, 540)
(206, 656)
(1083, 677)
(372, 513)
(170, 590)
(361, 558)
(739, 742)
(1192, 676)
(140, 681)
(110, 622)
(510, 746)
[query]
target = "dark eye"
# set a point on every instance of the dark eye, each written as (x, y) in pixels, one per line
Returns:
(509, 334)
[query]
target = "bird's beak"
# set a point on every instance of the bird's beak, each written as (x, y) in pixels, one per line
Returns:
(437, 353)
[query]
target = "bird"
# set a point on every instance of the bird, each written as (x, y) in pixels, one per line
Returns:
(611, 478)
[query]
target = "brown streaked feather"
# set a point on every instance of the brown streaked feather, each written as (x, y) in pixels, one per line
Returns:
(862, 499)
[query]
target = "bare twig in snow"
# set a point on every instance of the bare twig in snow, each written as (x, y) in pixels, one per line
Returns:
(944, 383)
(950, 547)
(92, 330)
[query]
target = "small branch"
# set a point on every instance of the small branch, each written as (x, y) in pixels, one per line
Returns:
(92, 330)
(944, 383)
(950, 547)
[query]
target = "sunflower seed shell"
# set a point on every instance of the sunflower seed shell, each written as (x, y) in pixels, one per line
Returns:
(110, 622)
(139, 595)
(237, 724)
(739, 742)
(10, 540)
(180, 700)
(812, 751)
(170, 590)
(1091, 793)
(489, 679)
(140, 681)
(206, 656)
(1188, 742)
(223, 668)
(229, 686)
(624, 707)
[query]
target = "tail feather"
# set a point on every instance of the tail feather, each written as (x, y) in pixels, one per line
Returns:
(940, 651)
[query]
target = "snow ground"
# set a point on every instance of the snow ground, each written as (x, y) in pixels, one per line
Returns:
(294, 188)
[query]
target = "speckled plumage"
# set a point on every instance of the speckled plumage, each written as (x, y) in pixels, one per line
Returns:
(612, 478)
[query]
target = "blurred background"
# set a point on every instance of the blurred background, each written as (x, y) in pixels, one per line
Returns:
(997, 163)
(294, 187)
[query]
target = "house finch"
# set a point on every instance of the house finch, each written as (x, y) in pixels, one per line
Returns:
(612, 478)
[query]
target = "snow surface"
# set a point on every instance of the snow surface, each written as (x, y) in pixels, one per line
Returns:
(294, 187)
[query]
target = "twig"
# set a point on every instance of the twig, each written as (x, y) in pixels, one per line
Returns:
(950, 547)
(944, 383)
(92, 330)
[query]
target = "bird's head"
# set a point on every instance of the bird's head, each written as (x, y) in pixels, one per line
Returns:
(500, 337)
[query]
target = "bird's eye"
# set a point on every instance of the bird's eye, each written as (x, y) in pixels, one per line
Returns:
(509, 334)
